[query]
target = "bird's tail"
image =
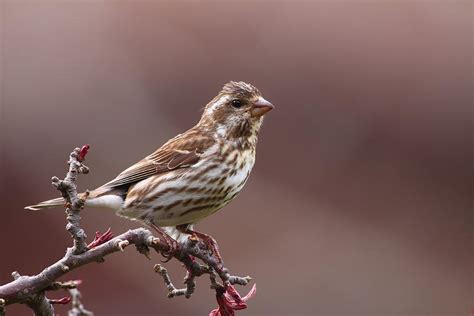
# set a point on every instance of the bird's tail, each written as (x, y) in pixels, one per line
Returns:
(112, 201)
(46, 204)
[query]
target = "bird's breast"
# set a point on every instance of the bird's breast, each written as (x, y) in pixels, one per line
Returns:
(198, 192)
(238, 170)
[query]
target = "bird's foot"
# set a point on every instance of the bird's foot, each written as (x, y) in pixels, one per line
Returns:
(173, 246)
(99, 238)
(210, 243)
(199, 247)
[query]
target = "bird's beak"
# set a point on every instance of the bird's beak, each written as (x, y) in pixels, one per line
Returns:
(261, 107)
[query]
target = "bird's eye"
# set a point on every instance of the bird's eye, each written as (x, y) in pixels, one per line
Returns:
(236, 103)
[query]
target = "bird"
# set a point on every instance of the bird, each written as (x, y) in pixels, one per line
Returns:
(193, 175)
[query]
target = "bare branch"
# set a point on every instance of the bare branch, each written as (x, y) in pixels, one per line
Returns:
(77, 307)
(30, 290)
(40, 305)
(68, 189)
(19, 289)
(172, 290)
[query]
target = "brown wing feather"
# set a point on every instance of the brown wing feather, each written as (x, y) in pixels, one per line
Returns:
(148, 167)
(180, 152)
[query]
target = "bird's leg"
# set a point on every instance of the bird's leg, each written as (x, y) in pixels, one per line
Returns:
(172, 244)
(208, 240)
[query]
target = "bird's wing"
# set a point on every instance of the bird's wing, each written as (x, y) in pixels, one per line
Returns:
(182, 151)
(163, 161)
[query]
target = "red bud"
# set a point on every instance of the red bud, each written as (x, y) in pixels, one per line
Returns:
(83, 152)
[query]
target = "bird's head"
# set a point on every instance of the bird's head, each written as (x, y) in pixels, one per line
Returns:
(237, 111)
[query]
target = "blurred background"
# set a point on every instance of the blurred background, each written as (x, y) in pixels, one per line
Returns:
(360, 202)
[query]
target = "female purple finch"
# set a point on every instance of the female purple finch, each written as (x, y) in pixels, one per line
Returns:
(194, 174)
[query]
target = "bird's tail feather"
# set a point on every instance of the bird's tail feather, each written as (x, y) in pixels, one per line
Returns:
(46, 204)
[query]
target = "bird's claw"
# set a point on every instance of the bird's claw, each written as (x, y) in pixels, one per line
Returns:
(173, 248)
(211, 245)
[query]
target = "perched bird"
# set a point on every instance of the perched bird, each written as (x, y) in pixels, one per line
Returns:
(194, 174)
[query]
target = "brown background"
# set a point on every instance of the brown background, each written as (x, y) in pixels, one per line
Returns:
(361, 200)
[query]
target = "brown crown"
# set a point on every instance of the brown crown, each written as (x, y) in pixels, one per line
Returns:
(240, 89)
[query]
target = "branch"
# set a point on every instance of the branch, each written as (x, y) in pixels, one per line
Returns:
(30, 290)
(40, 304)
(68, 189)
(77, 307)
(172, 290)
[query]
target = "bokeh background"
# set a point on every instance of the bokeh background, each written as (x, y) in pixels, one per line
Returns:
(360, 202)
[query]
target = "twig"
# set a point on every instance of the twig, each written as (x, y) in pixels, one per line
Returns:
(172, 290)
(20, 289)
(37, 301)
(31, 290)
(63, 285)
(198, 250)
(40, 305)
(77, 307)
(68, 189)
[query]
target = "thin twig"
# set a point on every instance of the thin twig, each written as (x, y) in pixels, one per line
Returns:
(63, 285)
(68, 189)
(77, 307)
(198, 251)
(172, 290)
